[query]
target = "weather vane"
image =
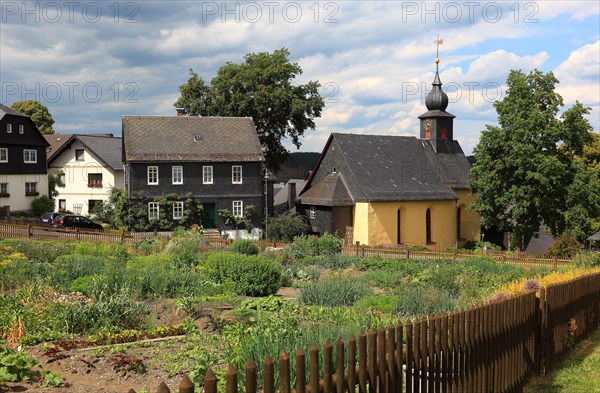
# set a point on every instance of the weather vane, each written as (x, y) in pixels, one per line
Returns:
(437, 43)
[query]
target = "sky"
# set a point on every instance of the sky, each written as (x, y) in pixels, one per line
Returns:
(91, 62)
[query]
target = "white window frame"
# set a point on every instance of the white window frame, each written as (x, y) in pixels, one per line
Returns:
(313, 213)
(21, 129)
(154, 178)
(174, 169)
(9, 128)
(177, 210)
(31, 187)
(207, 174)
(238, 208)
(82, 158)
(5, 186)
(233, 174)
(153, 210)
(29, 156)
(3, 154)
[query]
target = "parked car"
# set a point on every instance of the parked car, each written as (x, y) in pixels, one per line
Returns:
(47, 219)
(74, 221)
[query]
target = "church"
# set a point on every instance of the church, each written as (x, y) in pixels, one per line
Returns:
(380, 190)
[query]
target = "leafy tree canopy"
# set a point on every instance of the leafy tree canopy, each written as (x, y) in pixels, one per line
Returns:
(39, 113)
(262, 87)
(526, 169)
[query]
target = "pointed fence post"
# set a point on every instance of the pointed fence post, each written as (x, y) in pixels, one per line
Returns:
(251, 377)
(210, 382)
(231, 375)
(186, 385)
(162, 388)
(269, 375)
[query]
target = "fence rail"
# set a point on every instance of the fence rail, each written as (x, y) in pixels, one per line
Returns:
(516, 258)
(49, 233)
(494, 347)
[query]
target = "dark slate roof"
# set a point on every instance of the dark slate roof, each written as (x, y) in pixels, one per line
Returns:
(281, 197)
(330, 191)
(6, 110)
(595, 237)
(108, 149)
(189, 138)
(56, 141)
(392, 167)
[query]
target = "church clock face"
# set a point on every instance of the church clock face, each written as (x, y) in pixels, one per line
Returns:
(427, 124)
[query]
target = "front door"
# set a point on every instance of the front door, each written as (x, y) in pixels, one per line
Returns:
(209, 215)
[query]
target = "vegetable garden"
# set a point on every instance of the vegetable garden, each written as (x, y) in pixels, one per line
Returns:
(135, 314)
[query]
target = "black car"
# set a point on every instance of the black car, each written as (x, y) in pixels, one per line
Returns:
(74, 221)
(47, 219)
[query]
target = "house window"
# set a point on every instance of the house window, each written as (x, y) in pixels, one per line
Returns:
(152, 175)
(236, 174)
(95, 180)
(31, 189)
(238, 208)
(29, 156)
(21, 129)
(153, 212)
(92, 203)
(177, 210)
(79, 154)
(62, 205)
(207, 175)
(4, 190)
(63, 179)
(177, 172)
(313, 213)
(428, 227)
(8, 128)
(3, 155)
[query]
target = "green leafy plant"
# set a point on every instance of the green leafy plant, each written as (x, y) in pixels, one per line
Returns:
(42, 204)
(285, 227)
(334, 292)
(251, 274)
(246, 247)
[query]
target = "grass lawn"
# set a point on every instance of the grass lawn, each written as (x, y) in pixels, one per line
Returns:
(579, 371)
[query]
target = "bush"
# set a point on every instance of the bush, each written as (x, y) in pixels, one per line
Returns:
(305, 246)
(332, 293)
(565, 246)
(285, 228)
(185, 249)
(251, 274)
(41, 205)
(329, 244)
(246, 247)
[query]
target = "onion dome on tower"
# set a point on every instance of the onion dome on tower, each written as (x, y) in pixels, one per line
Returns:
(436, 123)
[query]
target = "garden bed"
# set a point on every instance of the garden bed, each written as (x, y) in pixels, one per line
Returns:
(114, 307)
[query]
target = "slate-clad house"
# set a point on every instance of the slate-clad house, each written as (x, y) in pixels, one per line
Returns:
(395, 189)
(92, 164)
(23, 172)
(218, 159)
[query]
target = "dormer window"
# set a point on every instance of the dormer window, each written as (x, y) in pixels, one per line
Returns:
(197, 138)
(9, 128)
(21, 129)
(79, 155)
(334, 169)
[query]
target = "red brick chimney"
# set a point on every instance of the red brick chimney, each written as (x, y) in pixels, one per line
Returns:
(180, 111)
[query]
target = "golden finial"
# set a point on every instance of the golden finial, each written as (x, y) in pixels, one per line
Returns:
(437, 43)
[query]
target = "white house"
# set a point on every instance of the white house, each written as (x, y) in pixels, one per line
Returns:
(92, 165)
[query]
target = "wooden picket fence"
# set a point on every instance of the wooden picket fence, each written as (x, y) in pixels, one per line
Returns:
(494, 347)
(516, 258)
(27, 231)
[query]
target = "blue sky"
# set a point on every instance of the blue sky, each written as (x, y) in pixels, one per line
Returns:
(91, 62)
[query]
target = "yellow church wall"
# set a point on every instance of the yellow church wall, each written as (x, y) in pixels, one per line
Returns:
(470, 225)
(377, 223)
(361, 222)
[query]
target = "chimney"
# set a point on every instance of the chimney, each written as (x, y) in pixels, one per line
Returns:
(180, 111)
(291, 194)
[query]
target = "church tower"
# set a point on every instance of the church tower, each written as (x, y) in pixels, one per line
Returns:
(436, 123)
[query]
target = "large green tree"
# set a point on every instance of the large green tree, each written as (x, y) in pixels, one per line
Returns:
(39, 113)
(526, 171)
(262, 87)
